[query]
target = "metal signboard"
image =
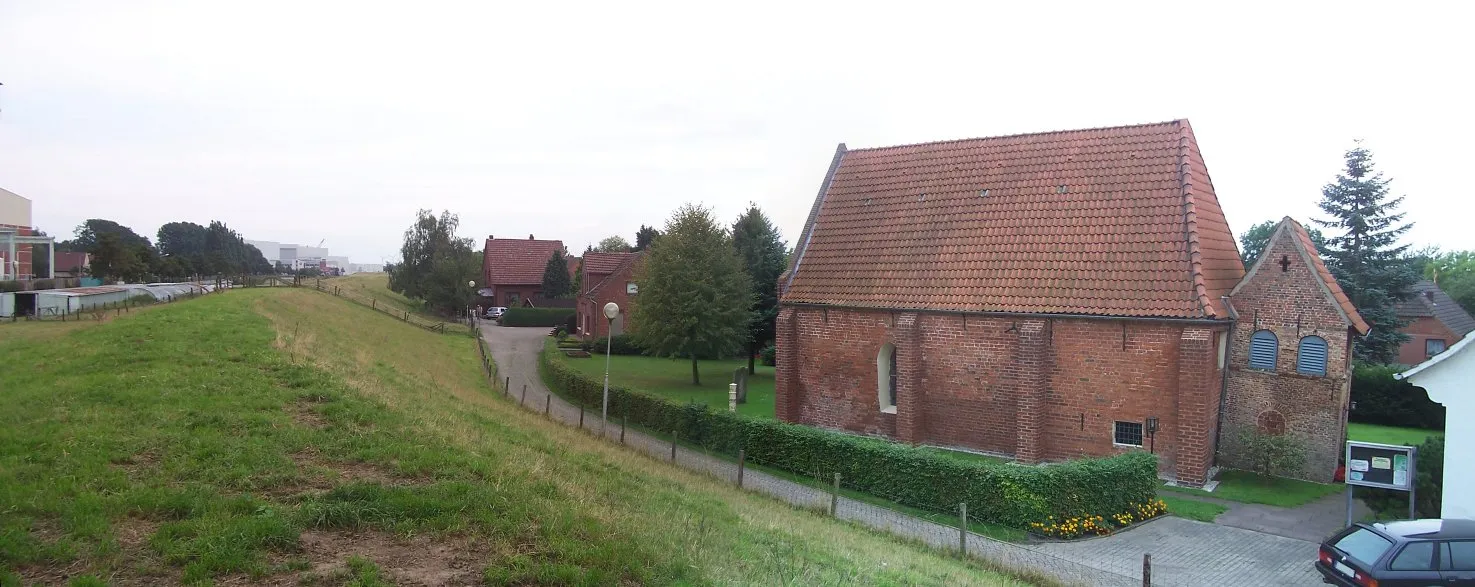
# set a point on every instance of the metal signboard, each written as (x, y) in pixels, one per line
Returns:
(1387, 466)
(1380, 465)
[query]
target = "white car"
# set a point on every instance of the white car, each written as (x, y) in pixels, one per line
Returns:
(495, 313)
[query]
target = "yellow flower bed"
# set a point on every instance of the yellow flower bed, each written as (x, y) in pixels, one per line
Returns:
(1078, 526)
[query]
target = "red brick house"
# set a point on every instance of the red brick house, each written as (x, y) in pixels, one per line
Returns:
(608, 277)
(1435, 322)
(1042, 297)
(513, 268)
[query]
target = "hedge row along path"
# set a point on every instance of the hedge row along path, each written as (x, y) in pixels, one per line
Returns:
(1184, 552)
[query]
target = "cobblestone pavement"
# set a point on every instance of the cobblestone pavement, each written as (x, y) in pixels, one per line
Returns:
(1184, 553)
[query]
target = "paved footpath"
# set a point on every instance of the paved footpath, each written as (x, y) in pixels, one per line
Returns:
(1184, 553)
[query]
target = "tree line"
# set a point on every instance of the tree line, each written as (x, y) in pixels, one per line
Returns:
(183, 250)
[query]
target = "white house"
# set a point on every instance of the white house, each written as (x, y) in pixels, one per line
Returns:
(1449, 377)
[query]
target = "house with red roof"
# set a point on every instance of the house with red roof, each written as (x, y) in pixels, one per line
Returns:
(1058, 295)
(512, 269)
(1433, 322)
(607, 277)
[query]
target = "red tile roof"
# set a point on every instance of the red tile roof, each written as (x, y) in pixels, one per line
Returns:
(1113, 221)
(511, 261)
(628, 260)
(1354, 319)
(598, 266)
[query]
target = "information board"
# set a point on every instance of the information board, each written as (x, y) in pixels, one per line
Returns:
(1380, 465)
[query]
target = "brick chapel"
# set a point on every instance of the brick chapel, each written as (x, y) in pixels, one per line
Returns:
(1058, 295)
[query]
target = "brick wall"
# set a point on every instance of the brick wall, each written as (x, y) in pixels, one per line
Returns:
(1419, 331)
(1035, 389)
(1291, 304)
(591, 311)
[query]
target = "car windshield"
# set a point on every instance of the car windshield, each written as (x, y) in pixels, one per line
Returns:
(1364, 545)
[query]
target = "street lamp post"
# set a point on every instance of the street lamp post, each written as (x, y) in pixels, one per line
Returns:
(470, 315)
(610, 311)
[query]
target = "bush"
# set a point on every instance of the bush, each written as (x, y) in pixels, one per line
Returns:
(536, 316)
(1012, 495)
(621, 344)
(769, 356)
(1272, 454)
(43, 284)
(1428, 486)
(10, 286)
(1378, 398)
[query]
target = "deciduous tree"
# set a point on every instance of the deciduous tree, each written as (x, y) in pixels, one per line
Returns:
(1252, 242)
(695, 296)
(613, 244)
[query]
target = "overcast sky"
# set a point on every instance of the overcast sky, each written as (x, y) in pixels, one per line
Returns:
(302, 121)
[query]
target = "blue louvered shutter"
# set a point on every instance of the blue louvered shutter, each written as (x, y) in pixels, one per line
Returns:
(1263, 350)
(1311, 357)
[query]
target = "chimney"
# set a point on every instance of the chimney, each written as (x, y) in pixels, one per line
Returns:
(491, 237)
(1429, 295)
(530, 237)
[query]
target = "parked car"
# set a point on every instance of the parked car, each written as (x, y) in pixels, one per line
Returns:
(1394, 554)
(495, 313)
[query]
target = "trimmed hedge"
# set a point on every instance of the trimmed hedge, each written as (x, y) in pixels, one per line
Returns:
(1011, 495)
(536, 316)
(1381, 399)
(621, 344)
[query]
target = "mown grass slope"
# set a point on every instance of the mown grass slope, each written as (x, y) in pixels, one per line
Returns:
(287, 436)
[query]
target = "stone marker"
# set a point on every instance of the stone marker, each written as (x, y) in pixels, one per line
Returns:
(740, 377)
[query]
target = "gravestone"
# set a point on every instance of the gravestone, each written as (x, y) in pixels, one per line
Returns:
(740, 377)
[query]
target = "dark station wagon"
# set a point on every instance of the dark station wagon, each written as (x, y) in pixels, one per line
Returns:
(1398, 554)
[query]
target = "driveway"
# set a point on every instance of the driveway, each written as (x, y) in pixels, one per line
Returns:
(1184, 552)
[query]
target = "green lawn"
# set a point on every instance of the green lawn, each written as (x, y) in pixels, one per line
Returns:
(964, 456)
(1389, 434)
(1193, 510)
(672, 378)
(286, 436)
(1245, 487)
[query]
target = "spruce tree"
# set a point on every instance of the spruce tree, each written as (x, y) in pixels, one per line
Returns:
(758, 244)
(1365, 257)
(555, 277)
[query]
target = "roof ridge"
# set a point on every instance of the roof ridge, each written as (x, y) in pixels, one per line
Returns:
(1190, 220)
(1022, 134)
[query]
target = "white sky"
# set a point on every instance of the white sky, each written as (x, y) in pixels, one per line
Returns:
(299, 121)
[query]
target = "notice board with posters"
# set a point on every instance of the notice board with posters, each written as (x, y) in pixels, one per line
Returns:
(1387, 466)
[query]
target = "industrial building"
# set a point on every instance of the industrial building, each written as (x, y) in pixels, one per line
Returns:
(17, 239)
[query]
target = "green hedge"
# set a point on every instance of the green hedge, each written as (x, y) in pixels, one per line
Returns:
(1378, 398)
(621, 344)
(536, 316)
(1011, 495)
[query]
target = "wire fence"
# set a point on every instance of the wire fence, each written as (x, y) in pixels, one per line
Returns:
(820, 490)
(401, 314)
(97, 311)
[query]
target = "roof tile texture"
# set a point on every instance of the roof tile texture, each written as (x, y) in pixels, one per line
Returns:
(1426, 299)
(510, 261)
(1115, 221)
(1338, 295)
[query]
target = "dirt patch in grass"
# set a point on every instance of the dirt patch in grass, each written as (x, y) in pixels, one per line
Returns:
(304, 414)
(420, 560)
(134, 564)
(322, 474)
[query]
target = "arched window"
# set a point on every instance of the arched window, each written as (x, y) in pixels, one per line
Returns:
(1311, 356)
(886, 378)
(1263, 349)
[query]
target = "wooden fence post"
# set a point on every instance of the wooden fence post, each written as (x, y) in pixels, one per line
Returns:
(581, 417)
(741, 457)
(835, 495)
(548, 406)
(622, 429)
(673, 445)
(507, 384)
(1146, 570)
(963, 528)
(524, 399)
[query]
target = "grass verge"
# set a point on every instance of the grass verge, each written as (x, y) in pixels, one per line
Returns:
(276, 434)
(1389, 434)
(1192, 509)
(1246, 487)
(671, 378)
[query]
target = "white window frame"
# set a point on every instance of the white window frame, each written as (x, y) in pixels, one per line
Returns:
(883, 378)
